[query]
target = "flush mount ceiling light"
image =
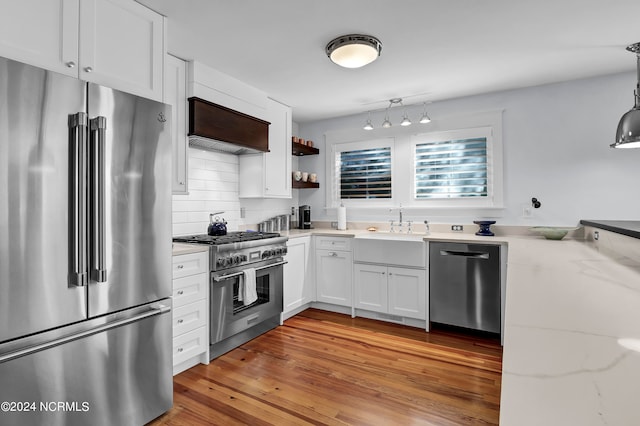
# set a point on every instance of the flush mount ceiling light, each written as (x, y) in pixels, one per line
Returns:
(353, 50)
(628, 134)
(405, 117)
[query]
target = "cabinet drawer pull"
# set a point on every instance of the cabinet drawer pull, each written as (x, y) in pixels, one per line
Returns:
(180, 321)
(180, 350)
(70, 64)
(180, 266)
(333, 254)
(180, 292)
(88, 69)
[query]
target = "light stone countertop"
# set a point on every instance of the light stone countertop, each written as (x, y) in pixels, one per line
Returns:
(183, 248)
(570, 305)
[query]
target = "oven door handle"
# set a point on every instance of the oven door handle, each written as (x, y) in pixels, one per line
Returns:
(235, 274)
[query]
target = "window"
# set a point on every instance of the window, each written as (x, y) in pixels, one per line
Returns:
(457, 168)
(362, 172)
(452, 168)
(365, 173)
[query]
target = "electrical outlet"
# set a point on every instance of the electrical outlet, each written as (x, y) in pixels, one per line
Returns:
(457, 228)
(527, 211)
(334, 225)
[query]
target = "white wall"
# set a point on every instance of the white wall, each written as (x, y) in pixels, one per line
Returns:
(213, 186)
(556, 148)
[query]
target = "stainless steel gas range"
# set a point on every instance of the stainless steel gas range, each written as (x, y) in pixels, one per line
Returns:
(245, 285)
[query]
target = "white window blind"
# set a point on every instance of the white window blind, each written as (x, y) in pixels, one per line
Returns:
(365, 173)
(455, 168)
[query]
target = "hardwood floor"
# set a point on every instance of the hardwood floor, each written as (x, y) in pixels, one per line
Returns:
(322, 368)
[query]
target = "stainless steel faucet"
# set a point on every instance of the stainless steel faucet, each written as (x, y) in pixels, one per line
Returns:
(400, 218)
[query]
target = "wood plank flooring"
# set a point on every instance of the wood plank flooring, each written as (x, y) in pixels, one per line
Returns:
(322, 368)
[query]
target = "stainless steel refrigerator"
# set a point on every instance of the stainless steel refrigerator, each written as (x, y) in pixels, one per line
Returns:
(85, 252)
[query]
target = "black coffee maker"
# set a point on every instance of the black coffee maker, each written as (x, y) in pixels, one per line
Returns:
(304, 217)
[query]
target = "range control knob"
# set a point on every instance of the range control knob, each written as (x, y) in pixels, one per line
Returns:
(284, 251)
(221, 261)
(236, 259)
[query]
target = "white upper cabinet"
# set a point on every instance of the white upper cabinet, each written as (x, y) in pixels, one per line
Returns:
(268, 175)
(116, 43)
(122, 46)
(175, 94)
(43, 33)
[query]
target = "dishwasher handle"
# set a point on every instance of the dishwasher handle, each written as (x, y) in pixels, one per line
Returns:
(468, 254)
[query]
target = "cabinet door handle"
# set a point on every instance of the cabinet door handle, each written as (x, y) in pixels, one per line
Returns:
(333, 254)
(88, 69)
(180, 292)
(180, 266)
(180, 350)
(70, 64)
(180, 321)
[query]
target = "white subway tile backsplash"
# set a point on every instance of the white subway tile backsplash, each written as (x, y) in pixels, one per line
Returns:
(213, 187)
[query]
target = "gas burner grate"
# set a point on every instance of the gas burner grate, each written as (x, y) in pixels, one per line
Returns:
(231, 237)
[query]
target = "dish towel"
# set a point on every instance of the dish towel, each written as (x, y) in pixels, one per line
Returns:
(248, 287)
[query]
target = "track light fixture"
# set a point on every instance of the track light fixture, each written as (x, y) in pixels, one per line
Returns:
(405, 117)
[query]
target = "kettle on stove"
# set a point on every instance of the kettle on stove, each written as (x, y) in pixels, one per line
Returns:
(217, 226)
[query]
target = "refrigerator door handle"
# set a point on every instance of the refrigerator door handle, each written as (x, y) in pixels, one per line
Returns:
(77, 203)
(98, 140)
(156, 309)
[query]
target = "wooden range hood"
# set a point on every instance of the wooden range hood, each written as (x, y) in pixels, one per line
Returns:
(217, 128)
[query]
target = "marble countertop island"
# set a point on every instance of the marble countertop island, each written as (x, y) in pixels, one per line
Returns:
(572, 322)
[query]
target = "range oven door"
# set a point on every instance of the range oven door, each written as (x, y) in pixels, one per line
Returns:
(229, 316)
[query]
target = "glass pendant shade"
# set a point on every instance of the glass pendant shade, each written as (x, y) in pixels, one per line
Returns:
(425, 119)
(405, 120)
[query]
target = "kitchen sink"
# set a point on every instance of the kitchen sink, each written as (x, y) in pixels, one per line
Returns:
(394, 236)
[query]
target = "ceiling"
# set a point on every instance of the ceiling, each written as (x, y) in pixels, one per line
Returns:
(431, 49)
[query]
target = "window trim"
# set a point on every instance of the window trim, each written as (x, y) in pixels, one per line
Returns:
(484, 132)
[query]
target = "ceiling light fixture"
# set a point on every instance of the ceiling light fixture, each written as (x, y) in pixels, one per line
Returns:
(405, 117)
(353, 50)
(628, 133)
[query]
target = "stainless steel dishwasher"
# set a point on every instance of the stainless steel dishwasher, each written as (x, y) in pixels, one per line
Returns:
(464, 285)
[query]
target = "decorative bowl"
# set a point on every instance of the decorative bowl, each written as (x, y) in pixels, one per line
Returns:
(552, 232)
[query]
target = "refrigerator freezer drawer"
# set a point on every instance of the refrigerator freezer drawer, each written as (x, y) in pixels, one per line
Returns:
(119, 375)
(190, 264)
(190, 344)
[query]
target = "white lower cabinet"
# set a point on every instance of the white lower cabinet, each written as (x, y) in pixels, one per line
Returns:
(390, 290)
(190, 310)
(334, 271)
(298, 289)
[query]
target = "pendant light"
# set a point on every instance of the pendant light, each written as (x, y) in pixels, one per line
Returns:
(425, 118)
(368, 125)
(353, 50)
(628, 133)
